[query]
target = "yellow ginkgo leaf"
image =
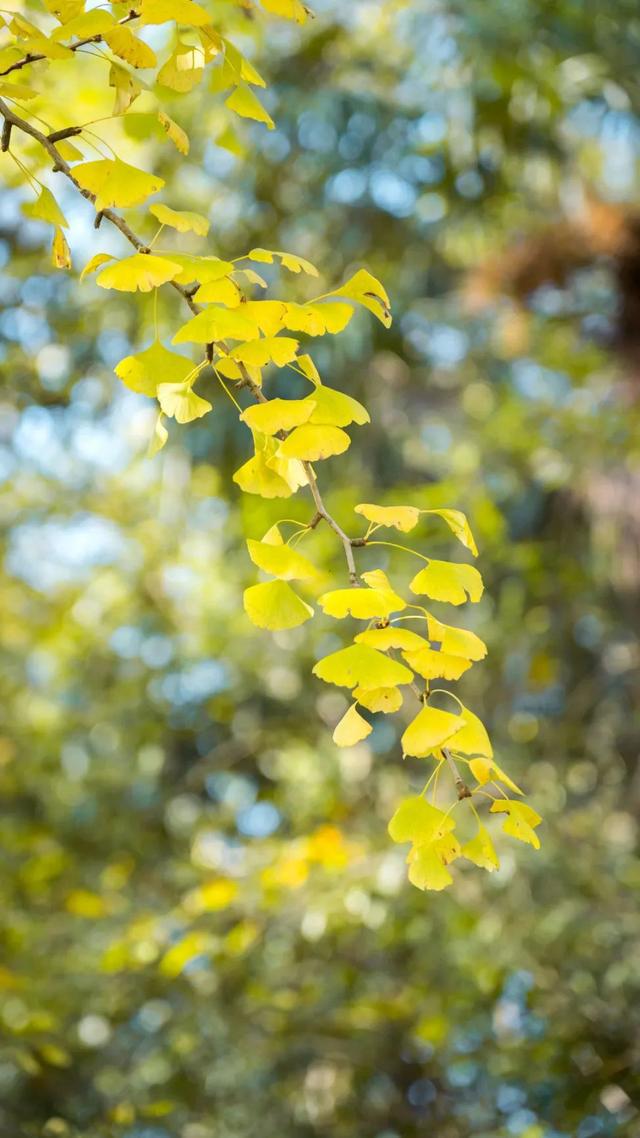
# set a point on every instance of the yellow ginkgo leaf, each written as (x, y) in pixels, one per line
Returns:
(179, 402)
(46, 209)
(214, 324)
(123, 43)
(288, 9)
(404, 518)
(487, 770)
(60, 252)
(480, 851)
(182, 11)
(521, 820)
(268, 476)
(223, 292)
(363, 604)
(288, 260)
(202, 269)
(126, 87)
(379, 699)
(175, 133)
(481, 770)
(274, 605)
(417, 821)
(94, 23)
(269, 315)
(279, 350)
(309, 369)
(361, 666)
(249, 276)
(428, 731)
(365, 289)
(428, 863)
(351, 728)
(183, 70)
(139, 273)
(316, 319)
(311, 443)
(335, 409)
(448, 581)
(243, 101)
(115, 183)
(182, 220)
(455, 641)
(145, 371)
(392, 637)
(472, 738)
(95, 263)
(377, 579)
(281, 561)
(458, 525)
(277, 415)
(432, 665)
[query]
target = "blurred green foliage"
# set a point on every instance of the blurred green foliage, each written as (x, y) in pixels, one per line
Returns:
(205, 930)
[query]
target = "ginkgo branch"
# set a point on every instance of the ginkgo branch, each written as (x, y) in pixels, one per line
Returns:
(36, 57)
(60, 165)
(461, 786)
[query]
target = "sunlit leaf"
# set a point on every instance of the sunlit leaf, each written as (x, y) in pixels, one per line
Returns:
(123, 43)
(404, 518)
(277, 415)
(175, 133)
(179, 402)
(60, 252)
(365, 289)
(139, 273)
(429, 730)
(472, 738)
(95, 263)
(182, 220)
(274, 605)
(521, 820)
(288, 260)
(392, 637)
(144, 371)
(334, 408)
(458, 525)
(432, 665)
(417, 821)
(361, 666)
(45, 208)
(428, 863)
(281, 561)
(279, 350)
(363, 604)
(311, 443)
(243, 101)
(480, 850)
(379, 699)
(448, 581)
(115, 183)
(351, 729)
(183, 11)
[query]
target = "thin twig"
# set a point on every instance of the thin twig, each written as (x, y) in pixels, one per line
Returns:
(35, 58)
(461, 786)
(61, 166)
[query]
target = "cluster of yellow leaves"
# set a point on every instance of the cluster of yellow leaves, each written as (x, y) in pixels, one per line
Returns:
(386, 657)
(244, 335)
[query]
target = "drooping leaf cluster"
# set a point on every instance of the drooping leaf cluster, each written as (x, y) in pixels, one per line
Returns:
(237, 337)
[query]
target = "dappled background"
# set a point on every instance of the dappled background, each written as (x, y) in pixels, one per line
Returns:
(205, 930)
